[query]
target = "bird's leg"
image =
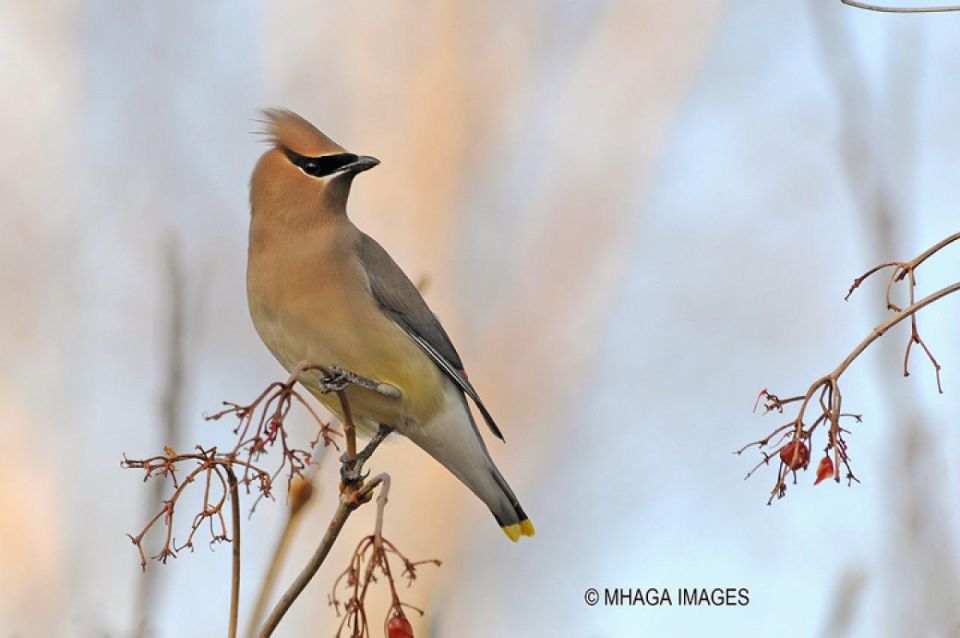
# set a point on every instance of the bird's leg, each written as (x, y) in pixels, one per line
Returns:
(382, 433)
(340, 375)
(339, 378)
(351, 470)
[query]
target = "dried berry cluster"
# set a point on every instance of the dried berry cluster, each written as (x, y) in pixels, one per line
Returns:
(819, 408)
(370, 558)
(260, 429)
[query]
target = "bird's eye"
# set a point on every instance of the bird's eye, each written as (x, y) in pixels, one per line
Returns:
(322, 165)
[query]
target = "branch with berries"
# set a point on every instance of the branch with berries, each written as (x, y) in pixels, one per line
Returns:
(260, 428)
(372, 555)
(820, 407)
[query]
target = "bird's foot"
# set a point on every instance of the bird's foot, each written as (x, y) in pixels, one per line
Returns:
(337, 381)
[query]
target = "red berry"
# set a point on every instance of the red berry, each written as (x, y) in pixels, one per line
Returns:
(825, 469)
(795, 455)
(399, 627)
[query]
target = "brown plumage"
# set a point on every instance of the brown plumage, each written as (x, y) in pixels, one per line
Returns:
(321, 290)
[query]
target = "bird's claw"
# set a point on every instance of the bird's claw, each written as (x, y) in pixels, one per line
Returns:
(338, 381)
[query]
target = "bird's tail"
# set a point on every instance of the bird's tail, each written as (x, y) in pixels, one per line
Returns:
(453, 439)
(506, 509)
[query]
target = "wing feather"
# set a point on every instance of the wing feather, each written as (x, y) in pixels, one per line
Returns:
(402, 302)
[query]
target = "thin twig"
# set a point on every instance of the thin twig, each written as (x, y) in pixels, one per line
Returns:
(382, 499)
(929, 252)
(344, 508)
(352, 496)
(882, 9)
(883, 326)
(373, 553)
(235, 563)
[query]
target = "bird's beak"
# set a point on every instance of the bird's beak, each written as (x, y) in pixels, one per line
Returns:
(362, 163)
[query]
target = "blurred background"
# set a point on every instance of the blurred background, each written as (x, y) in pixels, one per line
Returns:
(633, 216)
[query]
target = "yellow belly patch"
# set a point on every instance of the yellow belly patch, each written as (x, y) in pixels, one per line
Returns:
(405, 367)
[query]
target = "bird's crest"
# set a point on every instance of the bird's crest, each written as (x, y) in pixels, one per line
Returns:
(287, 130)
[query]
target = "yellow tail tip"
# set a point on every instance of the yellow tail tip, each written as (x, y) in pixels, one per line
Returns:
(515, 531)
(527, 527)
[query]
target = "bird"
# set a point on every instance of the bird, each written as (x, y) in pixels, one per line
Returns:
(321, 290)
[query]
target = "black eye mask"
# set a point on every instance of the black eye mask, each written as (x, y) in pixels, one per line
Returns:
(320, 166)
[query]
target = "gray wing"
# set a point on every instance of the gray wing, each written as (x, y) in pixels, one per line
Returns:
(401, 301)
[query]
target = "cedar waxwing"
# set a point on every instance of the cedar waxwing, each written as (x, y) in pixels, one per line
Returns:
(320, 290)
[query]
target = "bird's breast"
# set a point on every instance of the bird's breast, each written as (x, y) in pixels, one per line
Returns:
(317, 308)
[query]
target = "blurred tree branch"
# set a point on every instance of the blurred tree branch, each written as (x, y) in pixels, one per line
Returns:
(171, 406)
(302, 491)
(844, 602)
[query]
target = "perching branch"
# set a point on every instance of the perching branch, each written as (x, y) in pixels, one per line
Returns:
(261, 427)
(372, 553)
(354, 492)
(346, 505)
(309, 570)
(792, 438)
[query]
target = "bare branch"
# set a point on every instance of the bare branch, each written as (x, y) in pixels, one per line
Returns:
(373, 554)
(882, 9)
(235, 559)
(353, 493)
(260, 427)
(794, 438)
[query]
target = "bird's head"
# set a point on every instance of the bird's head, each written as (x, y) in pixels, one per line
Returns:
(304, 169)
